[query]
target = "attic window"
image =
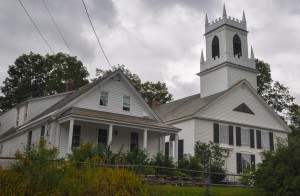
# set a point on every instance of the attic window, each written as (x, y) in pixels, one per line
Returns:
(243, 108)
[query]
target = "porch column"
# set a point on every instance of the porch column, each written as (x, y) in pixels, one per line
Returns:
(110, 132)
(70, 136)
(176, 148)
(145, 138)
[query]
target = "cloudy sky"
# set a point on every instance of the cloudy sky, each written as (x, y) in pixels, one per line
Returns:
(160, 40)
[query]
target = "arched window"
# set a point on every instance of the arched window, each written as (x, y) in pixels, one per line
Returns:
(215, 47)
(237, 46)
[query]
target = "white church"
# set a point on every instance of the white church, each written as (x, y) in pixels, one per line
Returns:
(109, 111)
(228, 111)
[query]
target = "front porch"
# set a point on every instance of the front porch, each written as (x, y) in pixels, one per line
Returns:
(74, 131)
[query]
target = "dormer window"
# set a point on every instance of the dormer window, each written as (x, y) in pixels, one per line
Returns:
(104, 98)
(215, 47)
(126, 103)
(237, 46)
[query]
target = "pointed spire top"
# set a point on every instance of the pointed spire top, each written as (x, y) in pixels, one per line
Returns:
(224, 11)
(252, 54)
(206, 20)
(244, 18)
(202, 58)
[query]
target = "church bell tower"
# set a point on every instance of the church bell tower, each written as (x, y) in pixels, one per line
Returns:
(227, 60)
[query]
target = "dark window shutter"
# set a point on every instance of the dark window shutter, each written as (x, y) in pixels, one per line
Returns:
(252, 145)
(180, 149)
(216, 132)
(167, 149)
(231, 135)
(271, 140)
(252, 161)
(238, 163)
(258, 139)
(238, 136)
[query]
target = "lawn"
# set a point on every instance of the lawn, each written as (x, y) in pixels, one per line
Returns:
(178, 190)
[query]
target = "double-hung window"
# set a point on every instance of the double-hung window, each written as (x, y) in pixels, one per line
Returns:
(126, 103)
(104, 98)
(224, 134)
(42, 132)
(245, 137)
(244, 162)
(265, 140)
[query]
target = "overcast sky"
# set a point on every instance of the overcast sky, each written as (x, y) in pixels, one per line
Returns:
(160, 40)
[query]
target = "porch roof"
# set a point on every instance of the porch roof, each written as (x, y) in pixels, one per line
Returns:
(121, 118)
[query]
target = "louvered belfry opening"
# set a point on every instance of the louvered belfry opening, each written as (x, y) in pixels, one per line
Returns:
(215, 47)
(237, 46)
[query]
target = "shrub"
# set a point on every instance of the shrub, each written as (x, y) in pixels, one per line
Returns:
(137, 157)
(191, 163)
(247, 177)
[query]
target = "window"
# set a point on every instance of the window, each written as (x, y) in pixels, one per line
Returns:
(126, 103)
(42, 132)
(172, 149)
(264, 140)
(134, 141)
(245, 137)
(18, 117)
(237, 46)
(245, 161)
(102, 138)
(29, 140)
(104, 98)
(215, 47)
(76, 136)
(223, 134)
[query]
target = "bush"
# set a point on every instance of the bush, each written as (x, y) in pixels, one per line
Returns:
(137, 157)
(191, 163)
(39, 172)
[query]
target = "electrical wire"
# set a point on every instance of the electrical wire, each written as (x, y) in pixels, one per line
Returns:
(36, 26)
(95, 32)
(57, 27)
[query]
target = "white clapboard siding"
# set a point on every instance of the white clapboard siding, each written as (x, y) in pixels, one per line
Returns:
(10, 147)
(235, 75)
(63, 140)
(153, 144)
(8, 120)
(208, 82)
(116, 91)
(187, 134)
(222, 109)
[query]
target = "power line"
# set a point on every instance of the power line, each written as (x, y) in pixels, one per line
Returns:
(95, 32)
(36, 26)
(57, 27)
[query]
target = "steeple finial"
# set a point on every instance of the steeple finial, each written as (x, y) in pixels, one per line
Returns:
(224, 11)
(244, 18)
(202, 58)
(206, 20)
(252, 54)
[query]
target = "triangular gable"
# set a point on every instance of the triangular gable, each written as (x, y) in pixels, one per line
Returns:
(221, 109)
(243, 108)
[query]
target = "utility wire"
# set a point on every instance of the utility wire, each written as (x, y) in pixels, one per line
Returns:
(57, 27)
(95, 33)
(36, 26)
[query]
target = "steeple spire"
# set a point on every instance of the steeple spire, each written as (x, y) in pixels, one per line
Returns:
(202, 58)
(224, 11)
(206, 20)
(244, 18)
(252, 54)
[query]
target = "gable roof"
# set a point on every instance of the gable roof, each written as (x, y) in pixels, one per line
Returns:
(76, 94)
(189, 106)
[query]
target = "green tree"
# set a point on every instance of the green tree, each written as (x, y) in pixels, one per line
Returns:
(274, 93)
(149, 90)
(34, 75)
(210, 155)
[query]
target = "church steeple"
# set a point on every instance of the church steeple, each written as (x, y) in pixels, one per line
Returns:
(227, 60)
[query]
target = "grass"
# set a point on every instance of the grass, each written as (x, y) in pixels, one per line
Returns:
(178, 190)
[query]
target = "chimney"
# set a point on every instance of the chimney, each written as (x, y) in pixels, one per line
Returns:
(154, 104)
(69, 85)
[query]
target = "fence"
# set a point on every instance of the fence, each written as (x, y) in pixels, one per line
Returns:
(164, 175)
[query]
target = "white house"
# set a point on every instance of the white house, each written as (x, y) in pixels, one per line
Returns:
(106, 111)
(229, 111)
